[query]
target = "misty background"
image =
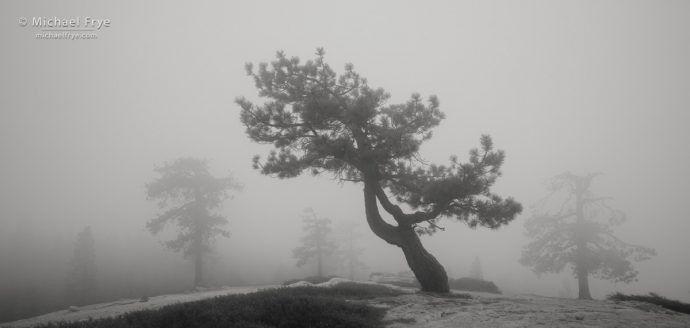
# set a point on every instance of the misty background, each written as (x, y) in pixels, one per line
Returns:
(584, 86)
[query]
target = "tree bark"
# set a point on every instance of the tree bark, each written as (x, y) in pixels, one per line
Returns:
(381, 228)
(198, 240)
(581, 255)
(581, 268)
(198, 269)
(429, 272)
(583, 284)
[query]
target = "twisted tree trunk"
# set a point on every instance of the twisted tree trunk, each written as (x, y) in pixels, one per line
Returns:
(429, 272)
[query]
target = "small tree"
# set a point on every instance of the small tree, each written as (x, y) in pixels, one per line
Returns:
(573, 227)
(321, 122)
(316, 244)
(188, 193)
(476, 269)
(81, 285)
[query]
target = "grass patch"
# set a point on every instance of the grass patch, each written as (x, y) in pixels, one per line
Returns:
(653, 298)
(283, 307)
(473, 285)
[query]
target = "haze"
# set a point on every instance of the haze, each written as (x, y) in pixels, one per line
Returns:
(581, 86)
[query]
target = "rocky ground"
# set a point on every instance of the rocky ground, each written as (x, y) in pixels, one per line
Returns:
(429, 310)
(487, 310)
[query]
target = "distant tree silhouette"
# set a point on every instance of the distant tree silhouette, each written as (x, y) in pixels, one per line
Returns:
(476, 270)
(320, 122)
(349, 252)
(573, 227)
(317, 243)
(81, 286)
(188, 193)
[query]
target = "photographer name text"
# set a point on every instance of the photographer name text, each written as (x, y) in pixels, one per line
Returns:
(78, 22)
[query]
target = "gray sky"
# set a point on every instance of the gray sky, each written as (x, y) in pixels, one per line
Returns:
(560, 85)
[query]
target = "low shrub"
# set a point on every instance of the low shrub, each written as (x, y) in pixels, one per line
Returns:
(653, 298)
(283, 307)
(473, 285)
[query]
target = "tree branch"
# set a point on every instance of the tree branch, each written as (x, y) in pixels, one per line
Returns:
(391, 208)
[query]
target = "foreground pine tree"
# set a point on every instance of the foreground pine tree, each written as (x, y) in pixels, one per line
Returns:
(319, 121)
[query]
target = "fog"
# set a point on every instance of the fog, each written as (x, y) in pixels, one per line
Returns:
(560, 86)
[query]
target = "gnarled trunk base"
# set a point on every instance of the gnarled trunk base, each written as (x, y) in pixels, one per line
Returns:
(429, 272)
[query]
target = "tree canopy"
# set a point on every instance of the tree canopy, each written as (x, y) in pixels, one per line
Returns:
(319, 121)
(322, 122)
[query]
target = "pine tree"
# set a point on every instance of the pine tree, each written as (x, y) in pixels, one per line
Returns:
(316, 243)
(188, 193)
(320, 122)
(81, 285)
(573, 227)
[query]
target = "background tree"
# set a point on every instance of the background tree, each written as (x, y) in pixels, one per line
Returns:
(573, 227)
(349, 252)
(81, 286)
(476, 269)
(318, 121)
(188, 193)
(317, 243)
